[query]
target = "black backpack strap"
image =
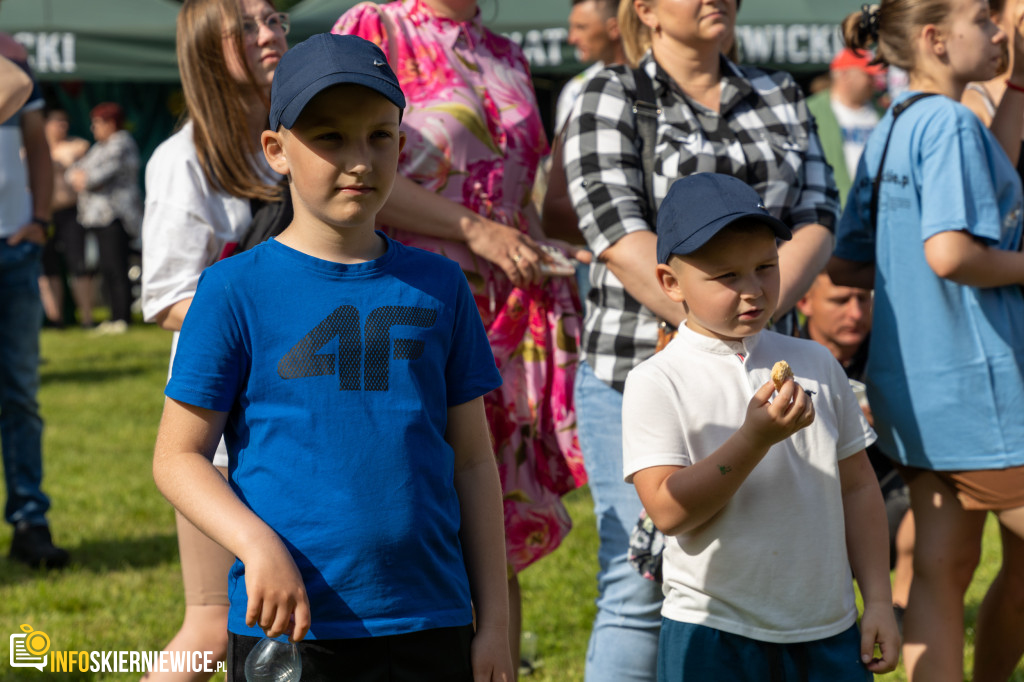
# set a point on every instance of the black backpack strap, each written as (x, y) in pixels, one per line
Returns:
(877, 184)
(269, 218)
(646, 111)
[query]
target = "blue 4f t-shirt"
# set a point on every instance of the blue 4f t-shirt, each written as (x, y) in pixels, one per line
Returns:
(944, 372)
(337, 380)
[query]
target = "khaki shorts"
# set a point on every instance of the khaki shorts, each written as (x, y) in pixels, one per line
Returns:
(984, 490)
(204, 566)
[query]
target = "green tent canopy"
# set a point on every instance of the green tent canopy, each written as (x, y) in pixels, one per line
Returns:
(799, 36)
(133, 40)
(96, 40)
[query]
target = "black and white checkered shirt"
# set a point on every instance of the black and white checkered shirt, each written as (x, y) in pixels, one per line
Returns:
(763, 134)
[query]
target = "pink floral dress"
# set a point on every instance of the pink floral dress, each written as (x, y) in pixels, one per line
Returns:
(474, 136)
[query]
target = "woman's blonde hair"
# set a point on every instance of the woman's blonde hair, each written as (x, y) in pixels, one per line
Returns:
(215, 102)
(636, 35)
(891, 28)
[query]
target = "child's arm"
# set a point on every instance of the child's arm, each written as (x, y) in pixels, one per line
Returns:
(184, 473)
(868, 548)
(959, 257)
(483, 538)
(679, 499)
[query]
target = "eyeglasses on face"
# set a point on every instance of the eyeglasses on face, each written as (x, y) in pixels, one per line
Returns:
(278, 22)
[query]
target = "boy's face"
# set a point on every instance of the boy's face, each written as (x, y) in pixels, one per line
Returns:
(341, 155)
(729, 286)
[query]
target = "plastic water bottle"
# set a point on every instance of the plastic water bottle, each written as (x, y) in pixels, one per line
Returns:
(272, 660)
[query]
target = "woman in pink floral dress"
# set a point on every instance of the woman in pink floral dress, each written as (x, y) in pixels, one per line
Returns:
(474, 138)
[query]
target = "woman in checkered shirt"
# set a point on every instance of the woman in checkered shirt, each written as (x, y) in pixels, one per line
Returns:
(713, 116)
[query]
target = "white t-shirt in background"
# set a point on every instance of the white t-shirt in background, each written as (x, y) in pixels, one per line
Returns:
(186, 227)
(855, 125)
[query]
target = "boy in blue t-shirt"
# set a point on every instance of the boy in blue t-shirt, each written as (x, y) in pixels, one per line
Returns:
(346, 372)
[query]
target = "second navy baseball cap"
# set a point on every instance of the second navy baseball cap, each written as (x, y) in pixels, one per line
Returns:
(699, 206)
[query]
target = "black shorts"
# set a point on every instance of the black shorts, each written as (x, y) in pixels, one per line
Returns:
(67, 245)
(440, 655)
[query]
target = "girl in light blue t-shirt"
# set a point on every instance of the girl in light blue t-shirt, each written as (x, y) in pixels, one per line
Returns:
(938, 238)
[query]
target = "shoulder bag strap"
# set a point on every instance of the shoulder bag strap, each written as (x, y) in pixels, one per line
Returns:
(877, 184)
(646, 111)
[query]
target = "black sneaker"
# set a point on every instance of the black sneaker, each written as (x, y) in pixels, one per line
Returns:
(33, 545)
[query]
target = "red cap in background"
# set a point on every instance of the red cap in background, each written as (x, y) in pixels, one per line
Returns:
(849, 59)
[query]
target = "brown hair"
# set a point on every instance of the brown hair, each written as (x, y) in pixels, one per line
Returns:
(891, 26)
(109, 111)
(215, 101)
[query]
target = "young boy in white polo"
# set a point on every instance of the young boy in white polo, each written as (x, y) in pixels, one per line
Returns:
(766, 496)
(346, 372)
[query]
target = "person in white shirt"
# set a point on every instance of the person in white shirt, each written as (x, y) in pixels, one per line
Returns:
(846, 112)
(594, 32)
(202, 186)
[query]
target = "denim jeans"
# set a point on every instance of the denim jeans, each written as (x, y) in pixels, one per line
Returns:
(624, 640)
(21, 427)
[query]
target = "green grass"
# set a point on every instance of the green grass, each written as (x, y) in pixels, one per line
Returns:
(101, 398)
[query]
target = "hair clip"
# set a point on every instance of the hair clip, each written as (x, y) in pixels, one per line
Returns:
(868, 27)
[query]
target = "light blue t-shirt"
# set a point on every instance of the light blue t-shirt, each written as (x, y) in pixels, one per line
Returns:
(945, 365)
(15, 195)
(337, 380)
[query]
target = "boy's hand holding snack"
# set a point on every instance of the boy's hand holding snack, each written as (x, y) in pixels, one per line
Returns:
(771, 421)
(276, 593)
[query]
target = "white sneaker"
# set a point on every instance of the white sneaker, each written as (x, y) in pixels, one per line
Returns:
(111, 327)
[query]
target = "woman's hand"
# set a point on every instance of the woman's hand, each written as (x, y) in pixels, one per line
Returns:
(517, 254)
(77, 179)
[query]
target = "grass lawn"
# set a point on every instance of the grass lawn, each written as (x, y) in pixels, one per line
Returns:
(101, 398)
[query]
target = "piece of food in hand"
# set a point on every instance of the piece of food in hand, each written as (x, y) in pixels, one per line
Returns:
(781, 372)
(560, 265)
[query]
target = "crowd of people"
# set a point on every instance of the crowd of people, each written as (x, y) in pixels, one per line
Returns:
(502, 342)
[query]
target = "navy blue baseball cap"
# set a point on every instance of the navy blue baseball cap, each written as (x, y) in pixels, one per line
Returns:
(697, 207)
(321, 61)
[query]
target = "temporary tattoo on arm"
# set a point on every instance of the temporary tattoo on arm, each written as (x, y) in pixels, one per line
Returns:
(724, 470)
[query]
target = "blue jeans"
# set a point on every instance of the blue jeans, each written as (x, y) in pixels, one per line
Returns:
(624, 640)
(21, 427)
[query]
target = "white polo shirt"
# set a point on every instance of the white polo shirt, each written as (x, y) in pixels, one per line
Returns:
(772, 565)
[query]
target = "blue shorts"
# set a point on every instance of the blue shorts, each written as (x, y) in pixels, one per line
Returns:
(696, 653)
